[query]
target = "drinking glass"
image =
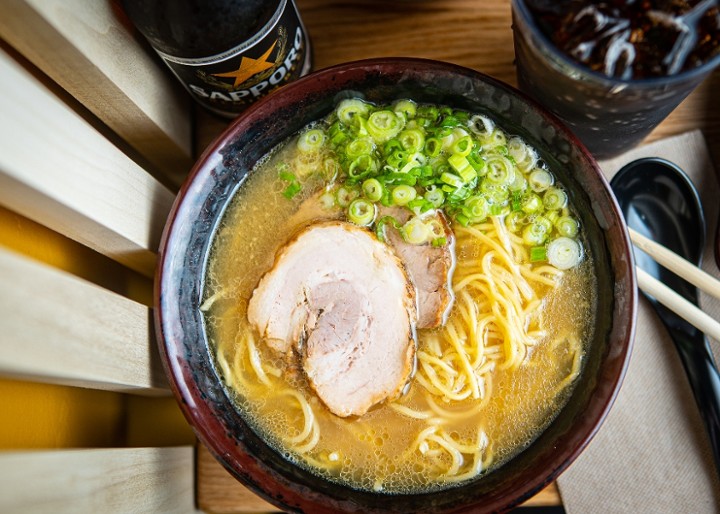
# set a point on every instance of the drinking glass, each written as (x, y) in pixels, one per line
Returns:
(609, 115)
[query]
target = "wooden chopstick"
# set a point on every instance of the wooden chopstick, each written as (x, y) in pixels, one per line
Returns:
(673, 301)
(677, 264)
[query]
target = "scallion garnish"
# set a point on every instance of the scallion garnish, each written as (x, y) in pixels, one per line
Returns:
(538, 254)
(426, 157)
(291, 190)
(361, 212)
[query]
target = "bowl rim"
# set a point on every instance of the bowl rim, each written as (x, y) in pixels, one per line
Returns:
(188, 396)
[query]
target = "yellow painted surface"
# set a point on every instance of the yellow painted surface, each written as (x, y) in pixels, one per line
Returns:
(38, 242)
(43, 416)
(156, 422)
(34, 416)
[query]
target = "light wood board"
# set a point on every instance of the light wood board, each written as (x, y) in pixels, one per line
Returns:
(107, 481)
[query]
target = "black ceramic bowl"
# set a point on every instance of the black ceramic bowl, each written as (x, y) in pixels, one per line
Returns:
(200, 204)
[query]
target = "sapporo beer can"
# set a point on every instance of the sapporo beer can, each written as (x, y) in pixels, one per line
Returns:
(227, 53)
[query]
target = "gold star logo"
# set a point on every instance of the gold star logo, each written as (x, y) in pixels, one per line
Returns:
(249, 67)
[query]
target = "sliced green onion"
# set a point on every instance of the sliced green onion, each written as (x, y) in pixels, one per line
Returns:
(345, 195)
(419, 205)
(554, 198)
(327, 201)
(567, 226)
(409, 167)
(350, 108)
(553, 216)
(287, 176)
(435, 196)
(451, 179)
(462, 166)
(311, 141)
(407, 108)
(439, 241)
(359, 125)
(517, 149)
(497, 138)
(476, 208)
(361, 212)
(372, 189)
(515, 220)
(462, 219)
(415, 231)
(531, 203)
(362, 166)
(436, 227)
(540, 179)
(399, 178)
(337, 134)
(396, 159)
(402, 194)
(478, 164)
(359, 146)
(519, 183)
(546, 223)
(534, 234)
(456, 194)
(433, 147)
(481, 125)
(428, 111)
(538, 254)
(495, 193)
(383, 125)
(293, 186)
(497, 209)
(412, 140)
(380, 226)
(500, 171)
(564, 253)
(293, 189)
(392, 145)
(463, 146)
(449, 121)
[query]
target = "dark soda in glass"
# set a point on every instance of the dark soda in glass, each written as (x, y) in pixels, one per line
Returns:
(613, 70)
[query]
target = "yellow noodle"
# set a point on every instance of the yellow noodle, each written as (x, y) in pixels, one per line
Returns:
(436, 361)
(313, 441)
(576, 350)
(407, 411)
(455, 455)
(455, 414)
(512, 266)
(255, 360)
(308, 416)
(464, 361)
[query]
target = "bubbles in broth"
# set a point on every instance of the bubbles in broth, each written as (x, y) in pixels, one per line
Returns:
(505, 357)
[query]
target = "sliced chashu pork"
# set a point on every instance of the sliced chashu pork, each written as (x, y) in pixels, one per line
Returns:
(430, 267)
(342, 303)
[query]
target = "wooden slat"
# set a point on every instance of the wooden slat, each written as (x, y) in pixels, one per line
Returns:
(60, 329)
(58, 170)
(84, 47)
(107, 481)
(219, 492)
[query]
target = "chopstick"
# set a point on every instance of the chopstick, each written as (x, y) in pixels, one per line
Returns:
(676, 303)
(669, 298)
(677, 264)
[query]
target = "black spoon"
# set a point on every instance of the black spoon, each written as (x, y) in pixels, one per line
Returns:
(660, 202)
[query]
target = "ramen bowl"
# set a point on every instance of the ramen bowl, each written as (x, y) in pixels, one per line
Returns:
(204, 198)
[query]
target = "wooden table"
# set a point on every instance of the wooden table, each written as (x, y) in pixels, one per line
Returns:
(472, 33)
